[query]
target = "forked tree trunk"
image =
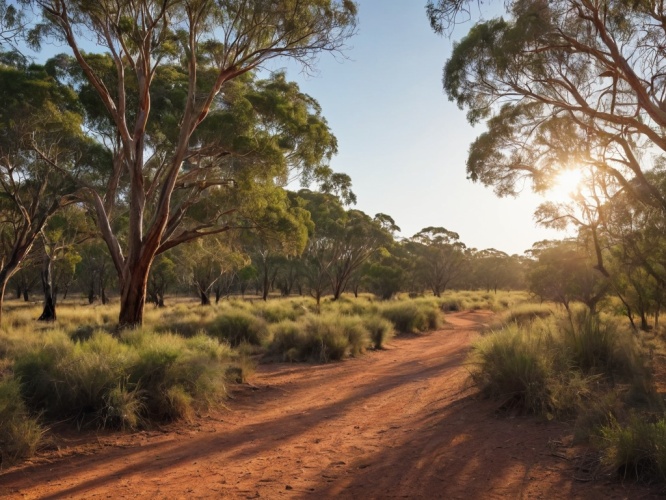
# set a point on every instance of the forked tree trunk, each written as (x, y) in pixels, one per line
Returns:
(133, 300)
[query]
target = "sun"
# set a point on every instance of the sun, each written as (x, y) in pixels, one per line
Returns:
(565, 185)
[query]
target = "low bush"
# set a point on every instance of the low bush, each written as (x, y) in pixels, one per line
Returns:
(325, 339)
(550, 366)
(122, 382)
(20, 434)
(412, 316)
(600, 346)
(358, 337)
(524, 314)
(636, 450)
(515, 367)
(320, 338)
(380, 329)
(237, 326)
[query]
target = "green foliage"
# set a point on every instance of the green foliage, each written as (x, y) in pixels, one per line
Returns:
(20, 433)
(381, 330)
(235, 326)
(527, 313)
(548, 366)
(322, 338)
(636, 450)
(412, 316)
(516, 367)
(123, 382)
(600, 346)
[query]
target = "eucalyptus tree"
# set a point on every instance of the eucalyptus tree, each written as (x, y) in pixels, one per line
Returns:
(562, 84)
(168, 165)
(60, 240)
(280, 233)
(384, 274)
(492, 269)
(42, 149)
(563, 271)
(162, 276)
(203, 262)
(95, 271)
(440, 257)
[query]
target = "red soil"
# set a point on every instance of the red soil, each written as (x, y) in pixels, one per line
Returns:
(398, 423)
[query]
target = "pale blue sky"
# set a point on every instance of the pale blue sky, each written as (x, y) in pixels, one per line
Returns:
(400, 139)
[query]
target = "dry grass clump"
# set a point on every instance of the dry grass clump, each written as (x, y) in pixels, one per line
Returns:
(636, 450)
(237, 326)
(278, 310)
(525, 313)
(412, 316)
(122, 382)
(380, 329)
(320, 338)
(20, 433)
(551, 367)
(466, 300)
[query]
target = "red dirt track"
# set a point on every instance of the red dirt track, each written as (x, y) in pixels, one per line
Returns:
(398, 423)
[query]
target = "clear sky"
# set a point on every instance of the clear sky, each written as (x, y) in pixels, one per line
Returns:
(400, 139)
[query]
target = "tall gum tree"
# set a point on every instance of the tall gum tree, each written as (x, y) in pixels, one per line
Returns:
(42, 149)
(562, 84)
(213, 43)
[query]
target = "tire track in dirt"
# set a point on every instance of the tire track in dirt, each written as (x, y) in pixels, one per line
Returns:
(398, 423)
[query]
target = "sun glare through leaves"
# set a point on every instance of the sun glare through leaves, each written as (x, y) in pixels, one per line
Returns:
(566, 184)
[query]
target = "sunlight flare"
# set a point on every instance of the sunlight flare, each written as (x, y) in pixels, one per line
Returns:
(565, 184)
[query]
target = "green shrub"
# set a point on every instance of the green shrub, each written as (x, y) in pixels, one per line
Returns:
(325, 339)
(599, 346)
(275, 311)
(524, 314)
(20, 434)
(515, 367)
(289, 340)
(358, 337)
(381, 330)
(637, 450)
(407, 317)
(122, 408)
(239, 326)
(123, 382)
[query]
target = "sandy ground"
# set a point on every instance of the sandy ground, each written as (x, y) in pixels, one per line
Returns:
(397, 423)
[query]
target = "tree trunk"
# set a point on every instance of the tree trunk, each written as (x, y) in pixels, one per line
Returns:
(132, 299)
(26, 295)
(49, 312)
(3, 285)
(266, 285)
(205, 300)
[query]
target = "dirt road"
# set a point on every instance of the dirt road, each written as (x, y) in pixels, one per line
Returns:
(398, 423)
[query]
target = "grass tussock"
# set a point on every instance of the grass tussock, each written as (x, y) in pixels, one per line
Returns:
(636, 450)
(20, 433)
(551, 367)
(380, 330)
(238, 326)
(412, 316)
(323, 338)
(122, 382)
(524, 314)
